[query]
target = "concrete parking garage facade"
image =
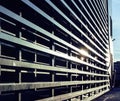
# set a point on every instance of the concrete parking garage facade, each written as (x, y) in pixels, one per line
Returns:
(54, 50)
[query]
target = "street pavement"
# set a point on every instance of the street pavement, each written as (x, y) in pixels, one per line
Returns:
(113, 95)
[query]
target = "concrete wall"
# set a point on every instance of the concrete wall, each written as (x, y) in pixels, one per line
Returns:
(54, 50)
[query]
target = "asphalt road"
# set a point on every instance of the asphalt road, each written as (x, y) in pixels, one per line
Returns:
(113, 95)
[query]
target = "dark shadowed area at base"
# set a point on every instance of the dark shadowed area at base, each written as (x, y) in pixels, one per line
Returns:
(113, 95)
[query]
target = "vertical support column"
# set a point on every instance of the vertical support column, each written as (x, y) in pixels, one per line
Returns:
(0, 50)
(0, 65)
(19, 74)
(53, 79)
(70, 76)
(87, 76)
(53, 64)
(18, 71)
(35, 69)
(70, 65)
(92, 76)
(76, 76)
(0, 55)
(95, 84)
(82, 78)
(35, 72)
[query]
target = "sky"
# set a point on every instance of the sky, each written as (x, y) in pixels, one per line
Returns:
(116, 28)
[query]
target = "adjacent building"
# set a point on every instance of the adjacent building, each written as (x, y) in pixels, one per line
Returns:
(55, 50)
(117, 73)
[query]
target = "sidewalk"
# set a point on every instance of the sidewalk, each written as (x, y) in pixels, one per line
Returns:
(113, 95)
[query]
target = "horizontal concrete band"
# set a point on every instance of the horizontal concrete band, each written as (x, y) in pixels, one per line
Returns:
(73, 94)
(39, 48)
(34, 85)
(30, 24)
(96, 95)
(24, 65)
